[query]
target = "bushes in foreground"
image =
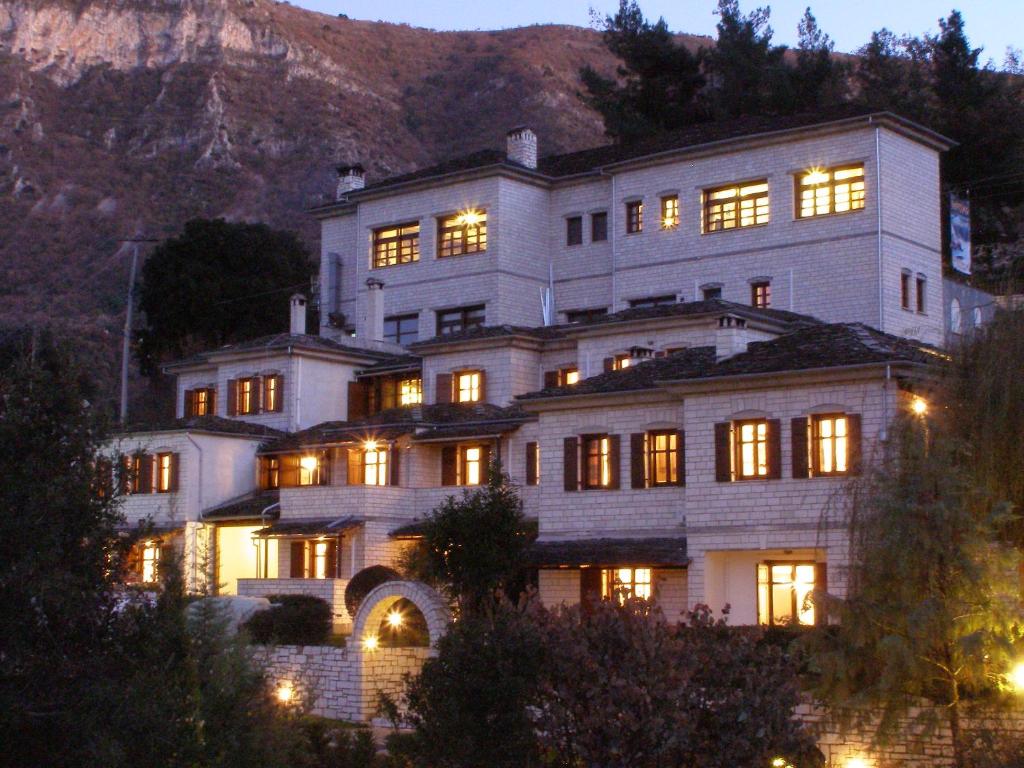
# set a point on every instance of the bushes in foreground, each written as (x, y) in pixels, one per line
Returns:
(292, 620)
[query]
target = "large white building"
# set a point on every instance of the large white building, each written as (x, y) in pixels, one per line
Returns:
(679, 352)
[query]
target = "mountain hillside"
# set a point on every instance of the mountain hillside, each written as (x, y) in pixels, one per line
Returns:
(131, 116)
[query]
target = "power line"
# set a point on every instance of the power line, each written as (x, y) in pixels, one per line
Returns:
(262, 293)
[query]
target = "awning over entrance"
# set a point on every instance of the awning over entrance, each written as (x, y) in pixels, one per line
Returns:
(657, 553)
(285, 528)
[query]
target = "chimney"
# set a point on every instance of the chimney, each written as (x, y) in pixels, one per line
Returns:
(374, 309)
(350, 178)
(730, 337)
(522, 146)
(298, 314)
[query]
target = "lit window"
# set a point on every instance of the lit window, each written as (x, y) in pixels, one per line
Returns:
(621, 584)
(821, 191)
(662, 458)
(402, 329)
(620, 362)
(783, 590)
(151, 562)
(165, 472)
(920, 293)
(266, 558)
(311, 470)
(751, 449)
(597, 464)
(634, 217)
(670, 211)
(735, 206)
(399, 244)
(272, 393)
(247, 397)
(905, 290)
(598, 227)
(199, 402)
(830, 445)
(464, 232)
(472, 465)
(461, 319)
(574, 230)
(467, 387)
(270, 472)
(410, 391)
(321, 559)
(568, 377)
(761, 294)
(375, 466)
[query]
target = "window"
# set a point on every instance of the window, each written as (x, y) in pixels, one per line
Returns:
(711, 292)
(783, 590)
(653, 301)
(621, 584)
(670, 212)
(568, 377)
(905, 290)
(829, 445)
(151, 562)
(165, 472)
(314, 559)
(471, 464)
(410, 391)
(321, 559)
(200, 402)
(955, 317)
(597, 461)
(751, 449)
(272, 400)
(270, 473)
(247, 396)
(532, 463)
(402, 329)
(921, 283)
(744, 205)
(634, 217)
(662, 458)
(598, 227)
(821, 191)
(312, 470)
(455, 320)
(375, 464)
(574, 230)
(467, 387)
(399, 244)
(761, 294)
(585, 315)
(266, 558)
(462, 233)
(621, 362)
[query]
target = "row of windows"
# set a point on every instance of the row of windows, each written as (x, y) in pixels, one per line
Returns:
(405, 329)
(247, 396)
(457, 234)
(138, 473)
(819, 192)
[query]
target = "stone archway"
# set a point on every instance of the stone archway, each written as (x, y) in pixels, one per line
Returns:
(381, 598)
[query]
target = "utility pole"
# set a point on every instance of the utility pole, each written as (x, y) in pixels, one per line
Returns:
(127, 341)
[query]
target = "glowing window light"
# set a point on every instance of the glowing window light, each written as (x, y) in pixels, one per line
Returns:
(371, 643)
(285, 693)
(816, 176)
(1015, 677)
(919, 406)
(309, 463)
(856, 762)
(395, 619)
(370, 445)
(470, 218)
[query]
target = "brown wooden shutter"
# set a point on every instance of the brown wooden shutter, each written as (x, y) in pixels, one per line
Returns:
(774, 449)
(257, 394)
(354, 462)
(332, 559)
(165, 561)
(570, 463)
(483, 386)
(613, 461)
(723, 459)
(232, 397)
(212, 397)
(450, 465)
(680, 457)
(531, 463)
(264, 472)
(175, 462)
(443, 388)
(394, 465)
(820, 590)
(277, 382)
(358, 400)
(609, 364)
(550, 379)
(324, 467)
(485, 464)
(190, 403)
(146, 474)
(638, 460)
(854, 444)
(798, 427)
(590, 587)
(289, 476)
(298, 564)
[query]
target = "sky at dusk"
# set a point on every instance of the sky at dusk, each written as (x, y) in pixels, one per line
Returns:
(992, 24)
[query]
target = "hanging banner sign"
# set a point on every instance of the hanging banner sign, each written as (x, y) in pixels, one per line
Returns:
(960, 233)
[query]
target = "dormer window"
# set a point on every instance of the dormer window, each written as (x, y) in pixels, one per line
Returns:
(621, 362)
(399, 244)
(462, 233)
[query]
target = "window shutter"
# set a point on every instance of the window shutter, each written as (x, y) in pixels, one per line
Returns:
(332, 559)
(358, 400)
(289, 477)
(609, 364)
(854, 443)
(483, 386)
(801, 467)
(212, 395)
(257, 394)
(590, 587)
(774, 449)
(394, 463)
(820, 590)
(449, 465)
(570, 463)
(146, 474)
(277, 382)
(190, 403)
(613, 461)
(531, 463)
(485, 463)
(354, 466)
(637, 460)
(165, 561)
(723, 460)
(680, 457)
(326, 459)
(443, 388)
(550, 379)
(298, 564)
(232, 397)
(175, 462)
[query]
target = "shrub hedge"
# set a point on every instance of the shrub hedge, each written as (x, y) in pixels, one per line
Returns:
(292, 620)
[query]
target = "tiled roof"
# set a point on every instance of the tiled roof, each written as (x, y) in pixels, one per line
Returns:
(417, 528)
(394, 363)
(492, 332)
(810, 347)
(608, 552)
(309, 527)
(247, 507)
(279, 341)
(216, 424)
(593, 160)
(395, 422)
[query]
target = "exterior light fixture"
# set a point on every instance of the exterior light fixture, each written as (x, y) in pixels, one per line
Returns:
(856, 762)
(285, 692)
(815, 176)
(309, 463)
(371, 643)
(1015, 677)
(919, 406)
(370, 445)
(395, 619)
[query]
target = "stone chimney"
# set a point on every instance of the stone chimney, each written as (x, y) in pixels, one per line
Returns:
(522, 146)
(298, 314)
(730, 337)
(350, 178)
(374, 309)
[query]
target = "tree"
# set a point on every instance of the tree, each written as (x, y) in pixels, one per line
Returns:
(819, 79)
(218, 282)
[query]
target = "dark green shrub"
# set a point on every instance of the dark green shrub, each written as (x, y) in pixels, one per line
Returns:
(364, 582)
(292, 620)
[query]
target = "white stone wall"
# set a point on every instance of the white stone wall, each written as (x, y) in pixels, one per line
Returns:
(510, 370)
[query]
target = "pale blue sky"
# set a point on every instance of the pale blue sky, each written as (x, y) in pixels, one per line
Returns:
(992, 24)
